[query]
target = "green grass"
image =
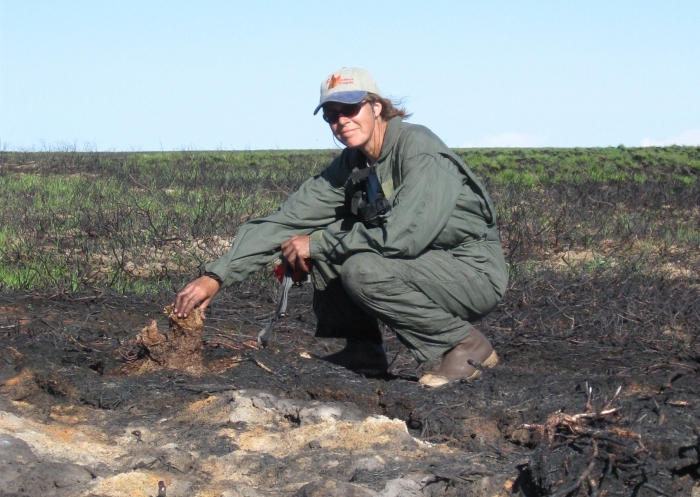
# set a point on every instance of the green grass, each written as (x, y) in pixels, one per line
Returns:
(550, 165)
(147, 222)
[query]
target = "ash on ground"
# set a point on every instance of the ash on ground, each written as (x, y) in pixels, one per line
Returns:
(569, 412)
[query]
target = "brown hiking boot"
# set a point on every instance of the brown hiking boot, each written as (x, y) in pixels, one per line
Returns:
(455, 362)
(362, 357)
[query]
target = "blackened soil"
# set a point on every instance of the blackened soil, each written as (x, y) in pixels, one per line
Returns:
(550, 413)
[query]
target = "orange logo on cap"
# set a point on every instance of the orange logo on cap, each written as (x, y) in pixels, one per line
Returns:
(335, 80)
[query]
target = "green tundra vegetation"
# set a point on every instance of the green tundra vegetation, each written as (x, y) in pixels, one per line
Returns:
(75, 222)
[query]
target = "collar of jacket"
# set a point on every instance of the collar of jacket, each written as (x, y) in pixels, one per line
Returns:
(391, 136)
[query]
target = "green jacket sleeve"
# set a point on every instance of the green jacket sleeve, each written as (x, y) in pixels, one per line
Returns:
(315, 205)
(421, 207)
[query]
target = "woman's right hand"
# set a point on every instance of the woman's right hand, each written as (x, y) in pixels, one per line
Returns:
(196, 292)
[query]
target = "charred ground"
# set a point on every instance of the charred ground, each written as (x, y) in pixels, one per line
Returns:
(596, 394)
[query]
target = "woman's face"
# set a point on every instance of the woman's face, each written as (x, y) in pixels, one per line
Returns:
(353, 131)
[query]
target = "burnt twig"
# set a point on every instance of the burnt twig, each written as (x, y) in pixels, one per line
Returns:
(263, 367)
(584, 476)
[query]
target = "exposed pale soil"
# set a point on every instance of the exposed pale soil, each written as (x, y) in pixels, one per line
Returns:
(77, 419)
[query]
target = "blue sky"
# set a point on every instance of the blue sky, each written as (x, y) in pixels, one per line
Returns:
(172, 75)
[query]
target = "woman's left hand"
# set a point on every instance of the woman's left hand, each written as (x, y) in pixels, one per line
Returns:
(296, 251)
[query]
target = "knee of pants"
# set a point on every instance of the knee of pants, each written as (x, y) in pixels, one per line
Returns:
(360, 273)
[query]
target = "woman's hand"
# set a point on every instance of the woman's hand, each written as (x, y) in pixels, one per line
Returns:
(199, 291)
(296, 251)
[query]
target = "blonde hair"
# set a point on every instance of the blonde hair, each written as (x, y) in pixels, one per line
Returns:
(390, 108)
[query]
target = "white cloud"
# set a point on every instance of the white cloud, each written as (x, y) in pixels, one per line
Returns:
(518, 140)
(687, 137)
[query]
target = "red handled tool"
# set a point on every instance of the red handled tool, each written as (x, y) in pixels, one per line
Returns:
(287, 277)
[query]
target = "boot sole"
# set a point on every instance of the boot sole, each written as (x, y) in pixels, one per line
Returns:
(370, 372)
(363, 370)
(431, 380)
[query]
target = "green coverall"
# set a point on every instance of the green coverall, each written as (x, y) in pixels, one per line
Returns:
(434, 265)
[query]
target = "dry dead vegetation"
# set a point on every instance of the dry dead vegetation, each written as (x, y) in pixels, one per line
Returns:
(597, 393)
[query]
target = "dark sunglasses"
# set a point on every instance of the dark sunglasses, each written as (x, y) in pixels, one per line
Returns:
(347, 110)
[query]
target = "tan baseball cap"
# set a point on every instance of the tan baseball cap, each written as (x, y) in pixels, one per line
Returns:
(348, 85)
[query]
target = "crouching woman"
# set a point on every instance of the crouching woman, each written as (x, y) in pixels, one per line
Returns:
(398, 230)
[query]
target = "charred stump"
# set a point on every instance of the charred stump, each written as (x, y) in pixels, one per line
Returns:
(179, 348)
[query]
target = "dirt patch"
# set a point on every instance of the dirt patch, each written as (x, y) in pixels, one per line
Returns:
(276, 421)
